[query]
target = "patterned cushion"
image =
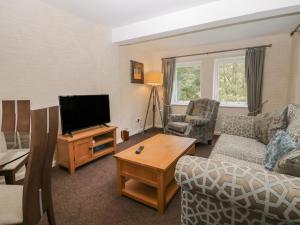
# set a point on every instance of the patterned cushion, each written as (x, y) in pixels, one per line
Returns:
(178, 126)
(266, 125)
(242, 148)
(238, 125)
(289, 163)
(280, 144)
(293, 128)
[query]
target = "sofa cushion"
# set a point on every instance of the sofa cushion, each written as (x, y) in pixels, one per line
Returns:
(293, 128)
(266, 125)
(280, 145)
(242, 148)
(178, 126)
(289, 163)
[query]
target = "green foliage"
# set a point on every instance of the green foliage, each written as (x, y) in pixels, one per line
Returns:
(232, 84)
(188, 83)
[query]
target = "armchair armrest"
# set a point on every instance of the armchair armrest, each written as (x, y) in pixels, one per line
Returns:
(238, 125)
(276, 195)
(176, 118)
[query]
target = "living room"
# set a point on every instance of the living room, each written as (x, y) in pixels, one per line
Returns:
(52, 48)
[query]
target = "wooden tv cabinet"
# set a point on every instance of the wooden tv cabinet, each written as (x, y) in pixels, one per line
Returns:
(85, 146)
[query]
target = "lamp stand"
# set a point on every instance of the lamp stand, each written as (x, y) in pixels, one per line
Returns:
(155, 103)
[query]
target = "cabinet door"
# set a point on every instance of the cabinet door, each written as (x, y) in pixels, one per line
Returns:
(82, 151)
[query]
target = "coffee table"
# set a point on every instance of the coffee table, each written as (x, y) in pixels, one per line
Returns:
(148, 177)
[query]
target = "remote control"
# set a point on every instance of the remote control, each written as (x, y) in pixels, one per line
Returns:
(139, 150)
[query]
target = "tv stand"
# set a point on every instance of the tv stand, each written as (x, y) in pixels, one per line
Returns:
(81, 147)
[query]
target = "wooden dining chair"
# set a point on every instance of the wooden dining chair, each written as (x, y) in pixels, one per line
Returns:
(8, 116)
(26, 205)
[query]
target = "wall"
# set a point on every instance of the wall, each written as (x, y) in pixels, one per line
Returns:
(276, 75)
(47, 52)
(134, 96)
(295, 70)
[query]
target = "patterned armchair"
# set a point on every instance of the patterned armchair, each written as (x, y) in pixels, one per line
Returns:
(199, 121)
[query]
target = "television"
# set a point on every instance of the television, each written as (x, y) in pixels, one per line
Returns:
(83, 111)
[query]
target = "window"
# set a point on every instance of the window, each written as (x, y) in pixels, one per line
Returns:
(186, 82)
(229, 83)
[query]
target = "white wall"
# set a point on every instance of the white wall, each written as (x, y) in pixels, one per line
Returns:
(134, 96)
(295, 70)
(47, 52)
(276, 75)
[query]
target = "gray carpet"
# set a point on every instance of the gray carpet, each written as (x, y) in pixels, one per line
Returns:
(89, 197)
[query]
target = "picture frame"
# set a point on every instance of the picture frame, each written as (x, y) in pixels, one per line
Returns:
(137, 72)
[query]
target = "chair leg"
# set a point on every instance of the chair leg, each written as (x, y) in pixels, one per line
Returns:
(50, 216)
(209, 142)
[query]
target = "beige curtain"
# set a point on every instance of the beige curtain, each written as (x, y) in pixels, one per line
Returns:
(254, 69)
(168, 69)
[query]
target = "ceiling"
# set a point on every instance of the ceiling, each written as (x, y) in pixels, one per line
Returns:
(279, 25)
(115, 13)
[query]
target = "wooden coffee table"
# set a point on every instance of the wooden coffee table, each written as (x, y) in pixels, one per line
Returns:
(148, 177)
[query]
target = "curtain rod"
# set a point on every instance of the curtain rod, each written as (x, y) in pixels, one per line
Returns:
(213, 52)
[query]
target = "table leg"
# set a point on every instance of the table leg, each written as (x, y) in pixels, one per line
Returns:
(161, 192)
(10, 178)
(120, 178)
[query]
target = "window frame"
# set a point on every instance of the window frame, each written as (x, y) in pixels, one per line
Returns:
(174, 100)
(217, 62)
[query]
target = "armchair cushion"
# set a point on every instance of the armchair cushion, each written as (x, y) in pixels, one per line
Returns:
(276, 195)
(176, 118)
(293, 128)
(178, 126)
(196, 120)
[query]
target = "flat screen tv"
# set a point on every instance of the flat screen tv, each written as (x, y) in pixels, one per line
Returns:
(83, 111)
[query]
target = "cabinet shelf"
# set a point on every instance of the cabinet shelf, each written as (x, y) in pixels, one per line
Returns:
(102, 141)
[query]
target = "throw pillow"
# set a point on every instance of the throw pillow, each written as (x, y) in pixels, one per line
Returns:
(289, 163)
(293, 128)
(266, 125)
(280, 144)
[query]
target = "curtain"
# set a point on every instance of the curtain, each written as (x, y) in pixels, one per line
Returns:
(168, 69)
(254, 69)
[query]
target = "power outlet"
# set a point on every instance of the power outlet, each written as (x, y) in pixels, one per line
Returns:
(138, 120)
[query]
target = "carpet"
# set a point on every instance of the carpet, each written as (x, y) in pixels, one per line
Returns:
(89, 197)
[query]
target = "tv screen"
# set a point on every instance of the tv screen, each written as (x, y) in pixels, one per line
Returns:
(83, 111)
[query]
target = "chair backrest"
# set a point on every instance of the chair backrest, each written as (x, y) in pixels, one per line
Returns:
(203, 106)
(23, 115)
(37, 183)
(8, 116)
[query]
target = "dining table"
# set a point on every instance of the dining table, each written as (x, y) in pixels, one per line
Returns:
(14, 150)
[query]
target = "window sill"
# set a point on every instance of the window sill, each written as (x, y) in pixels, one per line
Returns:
(233, 106)
(179, 104)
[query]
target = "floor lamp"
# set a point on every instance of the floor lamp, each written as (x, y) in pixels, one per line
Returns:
(153, 79)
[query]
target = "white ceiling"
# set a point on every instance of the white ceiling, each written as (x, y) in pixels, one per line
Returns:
(279, 25)
(116, 13)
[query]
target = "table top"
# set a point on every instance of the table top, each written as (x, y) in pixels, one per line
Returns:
(13, 146)
(160, 151)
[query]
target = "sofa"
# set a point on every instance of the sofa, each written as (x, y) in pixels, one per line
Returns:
(199, 121)
(232, 186)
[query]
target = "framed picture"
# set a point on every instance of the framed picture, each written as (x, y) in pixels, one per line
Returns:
(137, 72)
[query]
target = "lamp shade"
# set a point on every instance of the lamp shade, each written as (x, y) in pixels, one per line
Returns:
(154, 78)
